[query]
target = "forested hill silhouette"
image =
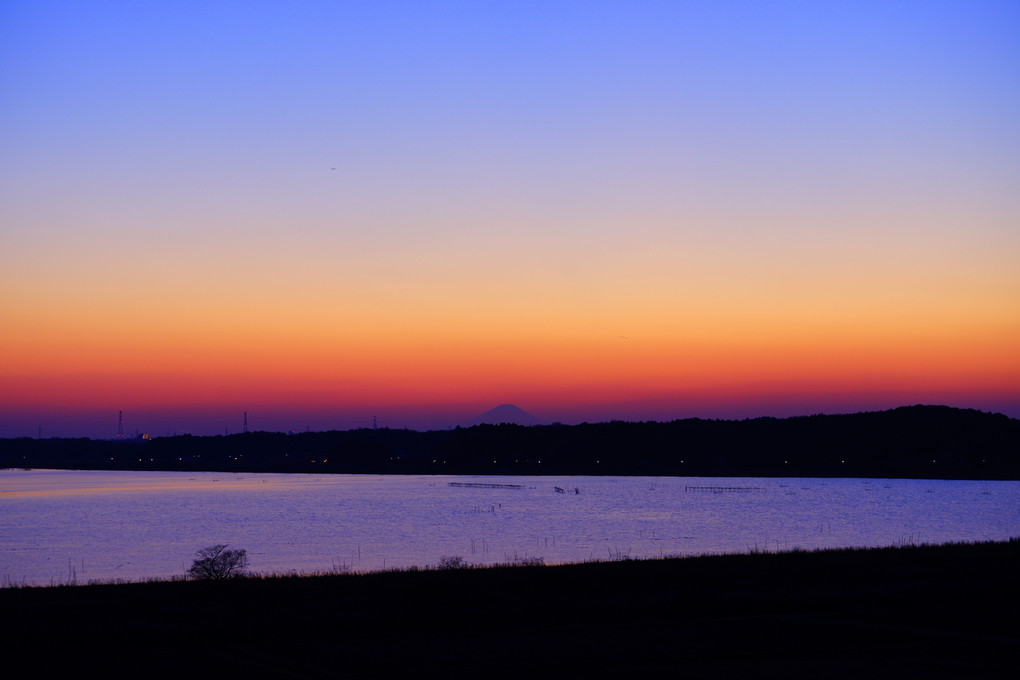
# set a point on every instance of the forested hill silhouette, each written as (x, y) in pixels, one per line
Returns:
(914, 441)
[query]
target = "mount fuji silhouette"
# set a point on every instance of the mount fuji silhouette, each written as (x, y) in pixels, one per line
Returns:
(504, 413)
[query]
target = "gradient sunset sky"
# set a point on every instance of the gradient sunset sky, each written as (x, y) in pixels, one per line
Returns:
(325, 212)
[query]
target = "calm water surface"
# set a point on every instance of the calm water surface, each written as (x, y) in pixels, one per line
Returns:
(58, 526)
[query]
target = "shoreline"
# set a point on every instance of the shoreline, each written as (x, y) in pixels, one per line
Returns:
(932, 609)
(460, 564)
(918, 442)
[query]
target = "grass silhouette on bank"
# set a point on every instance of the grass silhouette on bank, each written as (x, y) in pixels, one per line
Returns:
(938, 611)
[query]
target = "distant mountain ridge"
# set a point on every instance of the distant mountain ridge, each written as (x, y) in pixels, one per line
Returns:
(504, 414)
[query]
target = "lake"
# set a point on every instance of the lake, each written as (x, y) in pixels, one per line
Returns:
(59, 526)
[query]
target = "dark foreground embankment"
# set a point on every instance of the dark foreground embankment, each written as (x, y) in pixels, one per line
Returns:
(947, 611)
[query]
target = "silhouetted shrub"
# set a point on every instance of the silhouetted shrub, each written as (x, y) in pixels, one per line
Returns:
(451, 562)
(530, 561)
(216, 563)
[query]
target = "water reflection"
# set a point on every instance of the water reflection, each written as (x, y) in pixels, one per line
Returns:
(57, 526)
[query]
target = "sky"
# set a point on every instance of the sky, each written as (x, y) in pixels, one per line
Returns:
(325, 213)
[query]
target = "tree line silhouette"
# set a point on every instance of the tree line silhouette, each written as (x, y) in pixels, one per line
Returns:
(913, 441)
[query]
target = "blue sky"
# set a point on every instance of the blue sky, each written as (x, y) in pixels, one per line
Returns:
(802, 199)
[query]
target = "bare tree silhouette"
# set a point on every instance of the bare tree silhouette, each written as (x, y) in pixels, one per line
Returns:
(216, 563)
